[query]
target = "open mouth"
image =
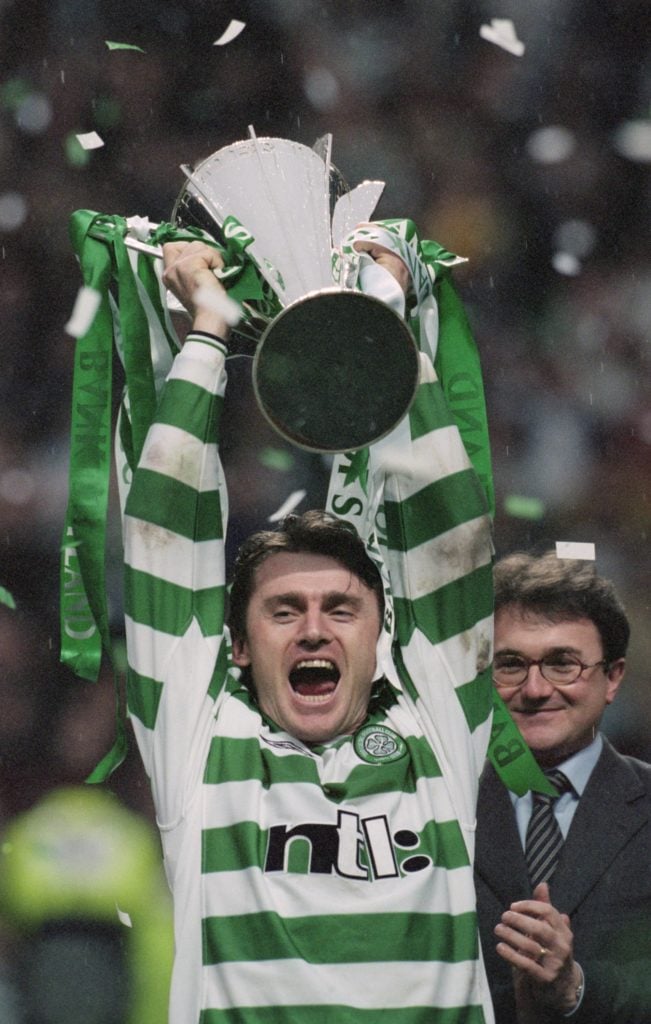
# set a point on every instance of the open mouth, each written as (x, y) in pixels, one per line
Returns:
(314, 677)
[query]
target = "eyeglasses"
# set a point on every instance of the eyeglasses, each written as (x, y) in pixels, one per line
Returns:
(559, 669)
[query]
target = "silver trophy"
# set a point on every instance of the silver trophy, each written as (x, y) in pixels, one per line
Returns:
(335, 369)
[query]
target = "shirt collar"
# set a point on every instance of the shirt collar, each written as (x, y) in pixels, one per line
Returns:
(578, 768)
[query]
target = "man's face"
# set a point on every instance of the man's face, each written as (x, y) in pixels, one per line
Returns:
(311, 633)
(556, 721)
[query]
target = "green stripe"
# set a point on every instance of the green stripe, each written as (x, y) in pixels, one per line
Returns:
(156, 603)
(476, 699)
(168, 607)
(238, 760)
(434, 510)
(340, 938)
(429, 410)
(337, 1013)
(191, 408)
(399, 776)
(163, 501)
(233, 848)
(446, 839)
(143, 697)
(450, 610)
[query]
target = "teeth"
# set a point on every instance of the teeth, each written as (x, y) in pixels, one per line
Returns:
(316, 663)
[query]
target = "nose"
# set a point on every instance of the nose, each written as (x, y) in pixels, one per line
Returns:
(536, 687)
(314, 628)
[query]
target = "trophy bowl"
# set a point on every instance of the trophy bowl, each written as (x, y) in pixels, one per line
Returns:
(335, 370)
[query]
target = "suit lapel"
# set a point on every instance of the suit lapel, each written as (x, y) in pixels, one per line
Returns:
(499, 859)
(605, 820)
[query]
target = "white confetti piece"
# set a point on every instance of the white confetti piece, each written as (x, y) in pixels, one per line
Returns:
(551, 144)
(219, 302)
(123, 917)
(566, 263)
(287, 506)
(83, 313)
(632, 139)
(502, 33)
(575, 549)
(89, 140)
(231, 33)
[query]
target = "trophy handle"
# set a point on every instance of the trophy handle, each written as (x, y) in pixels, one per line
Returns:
(335, 371)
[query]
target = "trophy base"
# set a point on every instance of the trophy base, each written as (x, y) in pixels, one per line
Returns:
(335, 371)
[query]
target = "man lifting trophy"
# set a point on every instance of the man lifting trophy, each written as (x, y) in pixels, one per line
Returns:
(313, 734)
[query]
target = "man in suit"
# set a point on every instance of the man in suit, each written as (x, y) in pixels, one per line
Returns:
(565, 935)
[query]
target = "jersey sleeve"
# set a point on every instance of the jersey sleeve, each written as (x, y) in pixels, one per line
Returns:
(417, 501)
(174, 525)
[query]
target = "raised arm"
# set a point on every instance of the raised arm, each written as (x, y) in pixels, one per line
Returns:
(174, 527)
(417, 499)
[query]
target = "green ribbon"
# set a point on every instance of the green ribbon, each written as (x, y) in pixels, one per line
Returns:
(458, 368)
(511, 757)
(84, 618)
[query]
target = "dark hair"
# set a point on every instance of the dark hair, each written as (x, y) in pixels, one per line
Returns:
(563, 588)
(315, 532)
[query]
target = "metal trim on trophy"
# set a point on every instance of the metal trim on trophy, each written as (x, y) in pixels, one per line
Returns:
(335, 369)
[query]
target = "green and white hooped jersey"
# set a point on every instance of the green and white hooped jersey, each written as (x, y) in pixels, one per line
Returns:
(331, 884)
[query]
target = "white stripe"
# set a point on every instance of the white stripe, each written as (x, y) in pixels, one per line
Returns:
(150, 649)
(445, 559)
(176, 453)
(428, 459)
(249, 891)
(171, 557)
(199, 364)
(367, 985)
(246, 800)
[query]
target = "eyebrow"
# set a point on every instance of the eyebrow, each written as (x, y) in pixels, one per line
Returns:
(331, 600)
(558, 649)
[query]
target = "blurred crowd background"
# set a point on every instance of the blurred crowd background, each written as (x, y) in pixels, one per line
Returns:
(535, 167)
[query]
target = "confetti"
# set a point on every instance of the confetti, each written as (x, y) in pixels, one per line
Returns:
(575, 549)
(502, 33)
(123, 917)
(522, 507)
(89, 140)
(123, 46)
(551, 144)
(277, 458)
(219, 303)
(231, 33)
(13, 211)
(6, 598)
(632, 139)
(566, 263)
(287, 506)
(83, 313)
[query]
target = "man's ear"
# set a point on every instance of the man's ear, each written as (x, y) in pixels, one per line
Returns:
(240, 655)
(615, 675)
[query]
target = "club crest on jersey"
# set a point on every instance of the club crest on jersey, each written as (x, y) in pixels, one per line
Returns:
(377, 744)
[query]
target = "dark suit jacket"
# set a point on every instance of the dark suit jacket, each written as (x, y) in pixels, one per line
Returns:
(603, 881)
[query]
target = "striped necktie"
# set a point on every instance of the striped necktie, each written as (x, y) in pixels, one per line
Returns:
(544, 837)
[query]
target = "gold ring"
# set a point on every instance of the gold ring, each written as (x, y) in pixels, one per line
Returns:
(543, 952)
